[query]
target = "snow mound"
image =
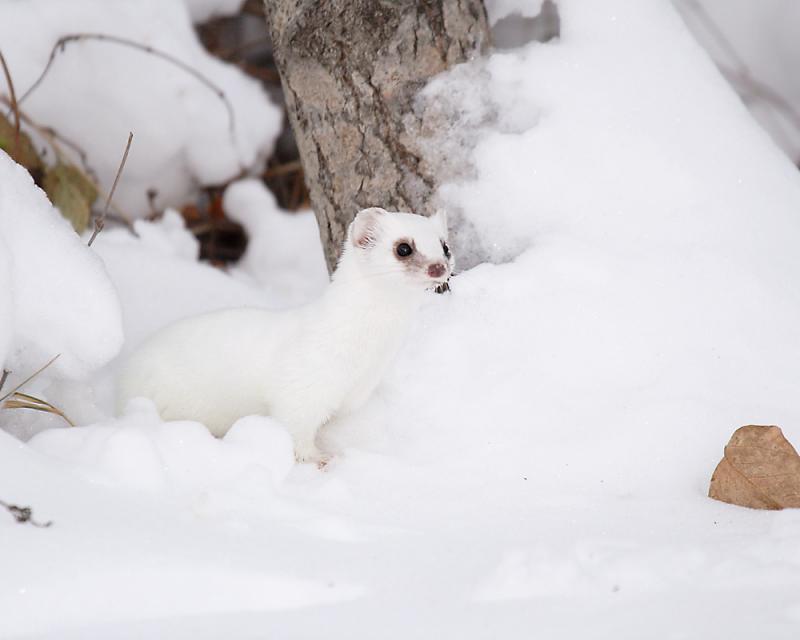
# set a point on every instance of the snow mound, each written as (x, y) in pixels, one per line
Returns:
(202, 10)
(647, 233)
(496, 10)
(139, 451)
(284, 254)
(96, 92)
(134, 577)
(167, 236)
(58, 298)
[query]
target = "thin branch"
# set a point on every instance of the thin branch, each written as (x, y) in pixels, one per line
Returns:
(765, 92)
(61, 43)
(716, 33)
(24, 514)
(4, 377)
(14, 106)
(282, 169)
(741, 72)
(100, 222)
(29, 378)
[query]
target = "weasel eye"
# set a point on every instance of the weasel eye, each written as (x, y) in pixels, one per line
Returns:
(446, 250)
(403, 250)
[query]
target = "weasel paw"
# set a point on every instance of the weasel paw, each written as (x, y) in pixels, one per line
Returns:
(311, 454)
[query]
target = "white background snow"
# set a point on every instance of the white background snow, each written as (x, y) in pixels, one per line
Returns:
(536, 462)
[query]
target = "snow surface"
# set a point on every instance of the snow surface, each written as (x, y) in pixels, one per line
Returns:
(55, 295)
(96, 92)
(496, 10)
(536, 462)
(202, 10)
(281, 254)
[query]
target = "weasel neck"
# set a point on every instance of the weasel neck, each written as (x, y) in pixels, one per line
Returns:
(363, 300)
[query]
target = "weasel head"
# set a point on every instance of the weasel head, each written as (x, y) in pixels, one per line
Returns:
(406, 249)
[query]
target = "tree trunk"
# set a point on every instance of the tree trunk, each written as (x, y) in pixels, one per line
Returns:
(350, 71)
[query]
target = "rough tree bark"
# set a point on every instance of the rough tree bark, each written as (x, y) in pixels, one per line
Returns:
(350, 70)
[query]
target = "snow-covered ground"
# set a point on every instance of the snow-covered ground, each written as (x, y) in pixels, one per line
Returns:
(536, 462)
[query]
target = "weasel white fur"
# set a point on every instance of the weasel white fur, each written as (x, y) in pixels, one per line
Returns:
(303, 366)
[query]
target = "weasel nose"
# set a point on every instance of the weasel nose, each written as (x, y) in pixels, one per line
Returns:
(436, 270)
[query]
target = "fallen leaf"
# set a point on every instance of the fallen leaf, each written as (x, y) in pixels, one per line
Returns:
(21, 151)
(72, 192)
(760, 469)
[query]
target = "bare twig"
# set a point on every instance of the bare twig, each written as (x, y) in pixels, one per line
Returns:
(282, 169)
(4, 377)
(757, 88)
(61, 43)
(24, 514)
(29, 378)
(100, 222)
(13, 100)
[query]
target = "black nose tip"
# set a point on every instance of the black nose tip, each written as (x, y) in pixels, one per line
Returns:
(436, 270)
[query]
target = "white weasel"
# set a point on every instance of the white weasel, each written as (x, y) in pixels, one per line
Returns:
(307, 365)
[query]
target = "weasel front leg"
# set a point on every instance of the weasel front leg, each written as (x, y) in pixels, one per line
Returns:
(303, 429)
(306, 450)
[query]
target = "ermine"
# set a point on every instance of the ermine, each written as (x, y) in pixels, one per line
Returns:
(304, 366)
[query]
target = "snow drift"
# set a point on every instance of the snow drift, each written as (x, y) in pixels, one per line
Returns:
(57, 297)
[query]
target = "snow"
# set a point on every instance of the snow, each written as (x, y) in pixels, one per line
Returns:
(496, 10)
(96, 92)
(536, 462)
(57, 298)
(282, 255)
(203, 10)
(139, 451)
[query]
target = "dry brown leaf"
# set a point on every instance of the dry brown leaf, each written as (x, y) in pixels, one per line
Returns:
(760, 470)
(22, 149)
(71, 191)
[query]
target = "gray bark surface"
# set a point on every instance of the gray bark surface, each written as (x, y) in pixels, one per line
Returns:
(350, 71)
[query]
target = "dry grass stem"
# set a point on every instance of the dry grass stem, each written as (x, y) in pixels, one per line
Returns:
(283, 169)
(100, 222)
(25, 401)
(29, 378)
(12, 100)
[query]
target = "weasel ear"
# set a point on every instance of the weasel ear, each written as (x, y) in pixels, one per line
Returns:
(365, 228)
(441, 218)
